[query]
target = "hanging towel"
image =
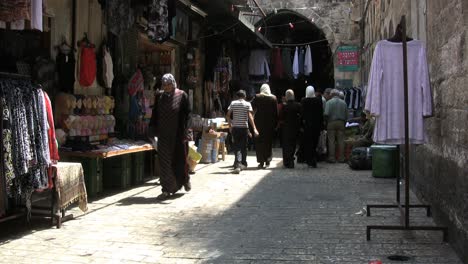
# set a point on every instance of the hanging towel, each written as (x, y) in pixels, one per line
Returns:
(296, 64)
(308, 62)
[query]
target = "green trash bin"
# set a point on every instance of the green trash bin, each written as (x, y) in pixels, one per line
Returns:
(385, 161)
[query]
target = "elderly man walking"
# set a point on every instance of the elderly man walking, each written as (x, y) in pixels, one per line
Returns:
(336, 114)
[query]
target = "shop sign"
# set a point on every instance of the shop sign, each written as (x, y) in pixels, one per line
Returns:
(348, 58)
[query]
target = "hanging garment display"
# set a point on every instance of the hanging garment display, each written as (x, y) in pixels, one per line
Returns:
(302, 51)
(385, 95)
(36, 14)
(296, 63)
(160, 16)
(66, 70)
(277, 64)
(14, 10)
(308, 67)
(87, 65)
(119, 16)
(136, 83)
(287, 62)
(258, 64)
(108, 69)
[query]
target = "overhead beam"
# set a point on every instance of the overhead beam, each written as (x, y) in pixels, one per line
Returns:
(258, 6)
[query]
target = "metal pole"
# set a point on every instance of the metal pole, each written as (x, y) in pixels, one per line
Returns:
(405, 80)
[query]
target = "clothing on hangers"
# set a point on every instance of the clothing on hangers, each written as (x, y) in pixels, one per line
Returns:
(296, 63)
(385, 95)
(308, 67)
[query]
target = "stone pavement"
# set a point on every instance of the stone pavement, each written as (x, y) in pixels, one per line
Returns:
(259, 216)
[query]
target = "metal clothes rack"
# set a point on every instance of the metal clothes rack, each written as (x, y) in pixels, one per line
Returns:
(404, 208)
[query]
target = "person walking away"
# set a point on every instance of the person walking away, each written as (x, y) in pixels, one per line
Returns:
(327, 94)
(290, 124)
(242, 114)
(265, 117)
(336, 114)
(312, 121)
(169, 123)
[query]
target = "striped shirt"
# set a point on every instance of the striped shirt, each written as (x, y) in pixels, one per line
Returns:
(240, 112)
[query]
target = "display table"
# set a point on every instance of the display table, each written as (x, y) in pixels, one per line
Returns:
(114, 166)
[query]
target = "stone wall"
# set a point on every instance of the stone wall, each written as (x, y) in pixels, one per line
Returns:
(439, 169)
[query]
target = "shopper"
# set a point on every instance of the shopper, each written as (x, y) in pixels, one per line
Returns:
(242, 114)
(266, 115)
(169, 123)
(290, 118)
(336, 114)
(327, 94)
(312, 121)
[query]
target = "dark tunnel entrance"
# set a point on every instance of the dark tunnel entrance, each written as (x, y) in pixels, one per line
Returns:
(277, 29)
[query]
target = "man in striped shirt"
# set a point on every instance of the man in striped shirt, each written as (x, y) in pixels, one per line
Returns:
(242, 114)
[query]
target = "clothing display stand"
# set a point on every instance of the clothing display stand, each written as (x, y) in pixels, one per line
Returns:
(22, 213)
(404, 208)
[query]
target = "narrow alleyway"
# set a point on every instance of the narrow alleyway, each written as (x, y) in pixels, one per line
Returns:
(259, 216)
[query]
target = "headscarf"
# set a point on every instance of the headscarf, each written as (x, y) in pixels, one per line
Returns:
(169, 78)
(265, 90)
(310, 92)
(289, 95)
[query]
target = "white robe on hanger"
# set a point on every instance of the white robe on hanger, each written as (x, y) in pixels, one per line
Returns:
(308, 61)
(296, 64)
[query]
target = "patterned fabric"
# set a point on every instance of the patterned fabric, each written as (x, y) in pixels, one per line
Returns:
(8, 170)
(170, 118)
(70, 185)
(119, 16)
(13, 10)
(158, 25)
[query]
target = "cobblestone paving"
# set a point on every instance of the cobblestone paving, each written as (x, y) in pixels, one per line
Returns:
(259, 216)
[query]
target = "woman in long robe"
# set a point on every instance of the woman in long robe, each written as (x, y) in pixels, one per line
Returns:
(266, 115)
(312, 120)
(291, 123)
(169, 121)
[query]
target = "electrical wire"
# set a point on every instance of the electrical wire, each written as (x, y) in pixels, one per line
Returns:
(299, 44)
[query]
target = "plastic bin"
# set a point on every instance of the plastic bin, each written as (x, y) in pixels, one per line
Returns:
(117, 172)
(92, 169)
(138, 168)
(385, 161)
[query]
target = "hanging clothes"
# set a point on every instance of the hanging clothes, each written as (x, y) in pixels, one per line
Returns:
(277, 64)
(385, 95)
(136, 83)
(66, 71)
(258, 63)
(301, 59)
(14, 10)
(119, 16)
(296, 63)
(308, 67)
(88, 66)
(160, 17)
(36, 14)
(287, 62)
(108, 69)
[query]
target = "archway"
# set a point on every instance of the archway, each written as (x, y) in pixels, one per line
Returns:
(275, 27)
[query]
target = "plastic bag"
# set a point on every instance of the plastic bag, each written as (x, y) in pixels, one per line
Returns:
(322, 143)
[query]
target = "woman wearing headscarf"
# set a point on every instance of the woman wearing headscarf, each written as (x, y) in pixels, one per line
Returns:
(290, 118)
(266, 115)
(312, 121)
(169, 121)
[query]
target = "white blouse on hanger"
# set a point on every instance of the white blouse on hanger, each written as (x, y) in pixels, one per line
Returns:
(385, 95)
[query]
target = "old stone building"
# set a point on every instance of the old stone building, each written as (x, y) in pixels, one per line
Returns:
(439, 168)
